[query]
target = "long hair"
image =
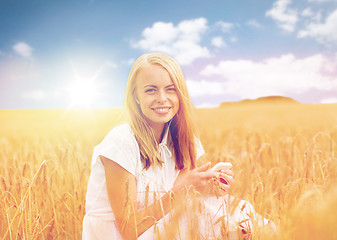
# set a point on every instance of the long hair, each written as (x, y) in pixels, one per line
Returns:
(182, 128)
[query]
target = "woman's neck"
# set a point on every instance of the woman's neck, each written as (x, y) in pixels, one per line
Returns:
(158, 132)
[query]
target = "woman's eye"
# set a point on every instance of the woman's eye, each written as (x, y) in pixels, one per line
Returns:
(171, 89)
(150, 90)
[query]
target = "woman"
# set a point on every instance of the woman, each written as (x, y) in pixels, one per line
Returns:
(146, 168)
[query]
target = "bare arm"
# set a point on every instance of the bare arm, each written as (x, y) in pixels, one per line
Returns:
(122, 193)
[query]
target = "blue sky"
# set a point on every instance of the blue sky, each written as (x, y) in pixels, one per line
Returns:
(69, 54)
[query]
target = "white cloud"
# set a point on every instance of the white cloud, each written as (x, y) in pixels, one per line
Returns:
(225, 26)
(23, 49)
(285, 17)
(218, 42)
(329, 100)
(310, 16)
(307, 12)
(204, 87)
(325, 32)
(273, 76)
(254, 23)
(207, 105)
(35, 95)
(181, 42)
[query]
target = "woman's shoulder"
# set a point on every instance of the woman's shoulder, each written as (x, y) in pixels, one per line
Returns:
(121, 133)
(123, 128)
(120, 146)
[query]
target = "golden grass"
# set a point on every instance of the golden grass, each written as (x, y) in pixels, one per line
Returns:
(284, 159)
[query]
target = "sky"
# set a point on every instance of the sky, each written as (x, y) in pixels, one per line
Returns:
(78, 53)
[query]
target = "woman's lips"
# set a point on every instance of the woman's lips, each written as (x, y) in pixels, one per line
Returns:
(161, 109)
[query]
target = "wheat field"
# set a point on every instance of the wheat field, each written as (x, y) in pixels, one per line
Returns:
(284, 159)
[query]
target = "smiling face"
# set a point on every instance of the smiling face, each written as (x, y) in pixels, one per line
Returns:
(157, 96)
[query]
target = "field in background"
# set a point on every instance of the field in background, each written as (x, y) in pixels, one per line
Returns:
(284, 159)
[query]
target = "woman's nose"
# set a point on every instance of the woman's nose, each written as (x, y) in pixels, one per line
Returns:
(162, 97)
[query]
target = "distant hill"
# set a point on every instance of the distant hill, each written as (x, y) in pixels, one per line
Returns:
(263, 100)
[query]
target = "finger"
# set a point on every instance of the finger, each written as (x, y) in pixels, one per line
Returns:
(228, 172)
(208, 175)
(203, 168)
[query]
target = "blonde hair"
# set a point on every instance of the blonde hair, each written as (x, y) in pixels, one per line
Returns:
(182, 128)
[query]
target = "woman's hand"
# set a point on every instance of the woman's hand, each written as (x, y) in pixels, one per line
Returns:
(224, 182)
(204, 181)
(197, 179)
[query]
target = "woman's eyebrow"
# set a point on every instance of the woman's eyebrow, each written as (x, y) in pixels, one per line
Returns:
(153, 86)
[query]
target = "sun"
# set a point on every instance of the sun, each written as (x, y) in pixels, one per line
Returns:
(82, 93)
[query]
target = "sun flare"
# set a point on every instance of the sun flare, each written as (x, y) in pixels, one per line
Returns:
(82, 93)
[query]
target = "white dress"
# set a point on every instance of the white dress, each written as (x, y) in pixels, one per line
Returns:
(121, 146)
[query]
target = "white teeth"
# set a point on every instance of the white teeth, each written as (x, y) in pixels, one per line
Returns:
(161, 109)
